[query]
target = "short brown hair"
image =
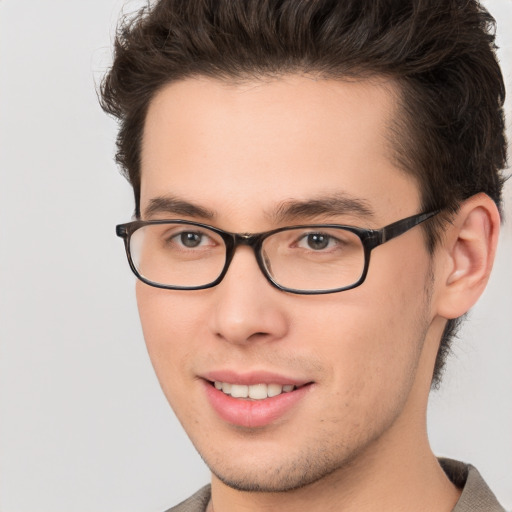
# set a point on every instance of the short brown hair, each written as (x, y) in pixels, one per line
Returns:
(441, 53)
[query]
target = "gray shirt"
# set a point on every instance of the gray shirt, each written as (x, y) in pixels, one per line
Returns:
(476, 495)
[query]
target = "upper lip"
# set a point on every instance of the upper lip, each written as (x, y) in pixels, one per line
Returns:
(252, 377)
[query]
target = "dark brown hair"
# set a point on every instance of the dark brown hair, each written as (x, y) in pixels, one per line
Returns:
(441, 53)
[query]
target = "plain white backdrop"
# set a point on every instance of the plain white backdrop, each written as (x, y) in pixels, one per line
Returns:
(84, 426)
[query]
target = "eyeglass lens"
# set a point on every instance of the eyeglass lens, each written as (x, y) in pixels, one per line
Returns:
(186, 255)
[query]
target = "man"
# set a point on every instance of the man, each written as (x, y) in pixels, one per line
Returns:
(317, 188)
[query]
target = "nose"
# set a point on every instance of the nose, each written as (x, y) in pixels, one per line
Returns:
(247, 308)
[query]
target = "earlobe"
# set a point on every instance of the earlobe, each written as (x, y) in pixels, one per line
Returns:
(468, 254)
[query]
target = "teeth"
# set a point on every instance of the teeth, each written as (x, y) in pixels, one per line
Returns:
(239, 390)
(274, 389)
(255, 391)
(258, 391)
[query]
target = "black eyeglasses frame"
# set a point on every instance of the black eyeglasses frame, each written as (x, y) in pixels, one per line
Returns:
(370, 238)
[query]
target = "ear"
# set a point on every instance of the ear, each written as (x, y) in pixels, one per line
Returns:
(466, 255)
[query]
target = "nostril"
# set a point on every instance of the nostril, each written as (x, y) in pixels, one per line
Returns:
(257, 335)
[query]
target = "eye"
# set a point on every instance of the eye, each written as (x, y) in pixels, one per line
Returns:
(173, 237)
(316, 241)
(190, 239)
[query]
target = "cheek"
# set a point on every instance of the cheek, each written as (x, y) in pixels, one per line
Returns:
(169, 325)
(371, 342)
(370, 368)
(364, 349)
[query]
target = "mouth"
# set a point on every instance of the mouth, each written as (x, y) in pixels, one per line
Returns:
(254, 391)
(257, 401)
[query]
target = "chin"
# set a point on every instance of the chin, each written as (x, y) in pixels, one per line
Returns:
(269, 483)
(271, 476)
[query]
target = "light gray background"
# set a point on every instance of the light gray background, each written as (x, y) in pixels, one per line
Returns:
(84, 425)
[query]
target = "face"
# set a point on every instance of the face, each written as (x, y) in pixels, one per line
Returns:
(237, 157)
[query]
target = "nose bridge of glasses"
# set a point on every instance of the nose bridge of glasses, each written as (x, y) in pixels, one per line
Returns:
(248, 239)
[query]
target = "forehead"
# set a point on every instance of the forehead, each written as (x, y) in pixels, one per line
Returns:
(234, 146)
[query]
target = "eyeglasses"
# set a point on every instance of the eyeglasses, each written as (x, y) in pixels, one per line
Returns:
(308, 259)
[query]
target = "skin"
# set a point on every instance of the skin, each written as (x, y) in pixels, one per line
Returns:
(357, 439)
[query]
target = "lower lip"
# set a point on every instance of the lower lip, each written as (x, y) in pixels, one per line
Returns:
(253, 413)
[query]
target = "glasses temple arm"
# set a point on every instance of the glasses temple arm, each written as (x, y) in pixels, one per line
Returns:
(401, 226)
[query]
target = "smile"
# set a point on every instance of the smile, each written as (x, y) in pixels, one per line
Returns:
(254, 391)
(249, 405)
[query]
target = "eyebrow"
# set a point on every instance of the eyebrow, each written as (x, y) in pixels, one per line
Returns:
(332, 205)
(286, 211)
(175, 206)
